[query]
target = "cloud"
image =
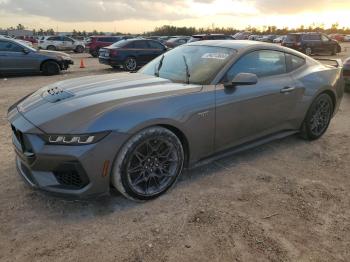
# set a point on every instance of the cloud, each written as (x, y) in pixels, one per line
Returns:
(99, 10)
(156, 10)
(298, 6)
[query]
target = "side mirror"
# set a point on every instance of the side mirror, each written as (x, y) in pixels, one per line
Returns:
(243, 79)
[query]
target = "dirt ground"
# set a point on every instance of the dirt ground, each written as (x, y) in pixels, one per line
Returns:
(285, 201)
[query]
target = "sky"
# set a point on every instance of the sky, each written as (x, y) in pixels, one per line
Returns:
(138, 16)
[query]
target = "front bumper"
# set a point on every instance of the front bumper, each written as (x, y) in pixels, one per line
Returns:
(109, 61)
(69, 171)
(66, 63)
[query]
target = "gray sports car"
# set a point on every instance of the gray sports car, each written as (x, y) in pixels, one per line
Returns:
(137, 131)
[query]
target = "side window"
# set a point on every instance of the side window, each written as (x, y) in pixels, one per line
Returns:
(54, 38)
(154, 45)
(262, 63)
(68, 39)
(312, 37)
(294, 62)
(140, 45)
(10, 47)
(324, 38)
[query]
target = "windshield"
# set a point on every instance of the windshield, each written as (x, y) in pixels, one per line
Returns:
(203, 63)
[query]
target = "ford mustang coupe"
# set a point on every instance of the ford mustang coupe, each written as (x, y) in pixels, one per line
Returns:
(137, 131)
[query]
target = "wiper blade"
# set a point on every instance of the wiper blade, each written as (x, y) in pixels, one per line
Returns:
(156, 73)
(187, 70)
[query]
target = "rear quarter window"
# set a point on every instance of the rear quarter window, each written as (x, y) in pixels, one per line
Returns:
(294, 62)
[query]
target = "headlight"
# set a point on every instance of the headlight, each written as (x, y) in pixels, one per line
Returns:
(74, 140)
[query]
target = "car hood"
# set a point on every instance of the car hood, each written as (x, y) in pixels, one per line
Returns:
(52, 53)
(65, 106)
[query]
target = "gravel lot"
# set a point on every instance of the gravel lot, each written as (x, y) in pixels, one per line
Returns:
(285, 201)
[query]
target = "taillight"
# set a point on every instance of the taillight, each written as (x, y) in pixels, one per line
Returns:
(113, 53)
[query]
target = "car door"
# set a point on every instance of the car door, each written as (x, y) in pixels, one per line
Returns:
(246, 113)
(327, 44)
(142, 52)
(155, 49)
(67, 43)
(14, 58)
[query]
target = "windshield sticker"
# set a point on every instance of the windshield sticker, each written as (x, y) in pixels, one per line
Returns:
(220, 56)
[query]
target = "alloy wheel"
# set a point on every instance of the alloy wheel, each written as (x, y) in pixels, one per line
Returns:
(130, 64)
(152, 166)
(320, 118)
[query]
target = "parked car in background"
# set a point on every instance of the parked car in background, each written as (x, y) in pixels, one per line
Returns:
(338, 37)
(137, 132)
(312, 43)
(202, 37)
(97, 42)
(268, 38)
(347, 38)
(131, 54)
(62, 43)
(253, 37)
(242, 35)
(174, 42)
(346, 74)
(279, 39)
(15, 57)
(25, 42)
(31, 39)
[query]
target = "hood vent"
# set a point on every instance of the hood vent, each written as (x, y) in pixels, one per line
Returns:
(56, 94)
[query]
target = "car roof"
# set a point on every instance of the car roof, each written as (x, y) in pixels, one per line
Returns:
(245, 45)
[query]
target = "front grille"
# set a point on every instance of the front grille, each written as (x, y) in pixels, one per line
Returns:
(71, 176)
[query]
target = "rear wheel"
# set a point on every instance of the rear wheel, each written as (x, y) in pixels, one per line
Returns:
(149, 164)
(308, 51)
(50, 68)
(130, 64)
(79, 49)
(51, 48)
(318, 117)
(95, 53)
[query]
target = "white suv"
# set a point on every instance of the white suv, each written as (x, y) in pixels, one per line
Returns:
(61, 43)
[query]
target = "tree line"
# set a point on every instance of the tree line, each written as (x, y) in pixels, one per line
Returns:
(167, 30)
(174, 30)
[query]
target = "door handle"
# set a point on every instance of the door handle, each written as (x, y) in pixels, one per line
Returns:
(287, 89)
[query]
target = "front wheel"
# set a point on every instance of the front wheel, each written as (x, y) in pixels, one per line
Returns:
(50, 68)
(149, 164)
(318, 118)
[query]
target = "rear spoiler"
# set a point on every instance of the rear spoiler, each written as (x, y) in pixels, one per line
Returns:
(332, 62)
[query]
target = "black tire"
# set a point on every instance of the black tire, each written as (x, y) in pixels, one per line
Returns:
(308, 51)
(79, 49)
(130, 64)
(95, 53)
(334, 50)
(50, 68)
(51, 48)
(143, 169)
(318, 118)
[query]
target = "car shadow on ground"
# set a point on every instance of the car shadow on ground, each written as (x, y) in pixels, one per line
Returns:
(58, 208)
